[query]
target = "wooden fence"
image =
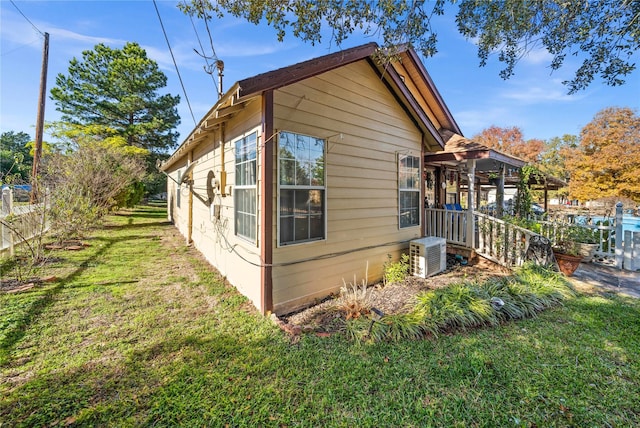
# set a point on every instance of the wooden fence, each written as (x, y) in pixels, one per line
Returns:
(19, 223)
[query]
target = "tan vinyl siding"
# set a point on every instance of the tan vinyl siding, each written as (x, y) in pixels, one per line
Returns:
(361, 180)
(214, 238)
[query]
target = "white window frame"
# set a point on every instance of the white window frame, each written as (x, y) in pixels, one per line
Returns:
(242, 187)
(406, 185)
(305, 187)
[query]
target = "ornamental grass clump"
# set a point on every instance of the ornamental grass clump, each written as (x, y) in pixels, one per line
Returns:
(467, 304)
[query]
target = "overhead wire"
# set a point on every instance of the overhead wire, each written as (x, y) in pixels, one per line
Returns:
(28, 20)
(209, 68)
(175, 64)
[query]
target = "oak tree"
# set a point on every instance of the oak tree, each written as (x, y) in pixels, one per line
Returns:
(119, 89)
(607, 161)
(603, 34)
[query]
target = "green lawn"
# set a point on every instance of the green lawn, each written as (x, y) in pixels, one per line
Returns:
(139, 330)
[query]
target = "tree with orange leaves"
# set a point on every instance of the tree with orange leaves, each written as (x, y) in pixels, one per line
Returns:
(607, 161)
(511, 141)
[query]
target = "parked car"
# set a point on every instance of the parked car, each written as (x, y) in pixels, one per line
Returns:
(537, 209)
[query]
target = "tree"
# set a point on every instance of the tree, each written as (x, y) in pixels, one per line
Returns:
(86, 183)
(553, 159)
(511, 141)
(555, 153)
(15, 157)
(118, 89)
(604, 32)
(607, 161)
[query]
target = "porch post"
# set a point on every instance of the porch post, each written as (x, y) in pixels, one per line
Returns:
(619, 237)
(471, 167)
(500, 193)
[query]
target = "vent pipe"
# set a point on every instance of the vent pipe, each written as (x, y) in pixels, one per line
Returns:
(220, 66)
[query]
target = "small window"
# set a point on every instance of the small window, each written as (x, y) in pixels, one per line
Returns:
(409, 190)
(302, 211)
(245, 192)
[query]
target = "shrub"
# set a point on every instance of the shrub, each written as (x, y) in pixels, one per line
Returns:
(355, 300)
(396, 271)
(465, 305)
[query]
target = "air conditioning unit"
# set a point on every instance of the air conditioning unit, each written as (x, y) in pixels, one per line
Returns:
(427, 256)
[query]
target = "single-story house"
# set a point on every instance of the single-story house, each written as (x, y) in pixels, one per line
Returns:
(303, 178)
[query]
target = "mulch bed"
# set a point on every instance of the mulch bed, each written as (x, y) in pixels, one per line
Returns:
(392, 298)
(73, 245)
(16, 286)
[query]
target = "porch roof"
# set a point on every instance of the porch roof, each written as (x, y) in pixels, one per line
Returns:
(458, 149)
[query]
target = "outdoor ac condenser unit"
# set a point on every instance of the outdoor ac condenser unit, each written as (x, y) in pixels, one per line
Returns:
(427, 256)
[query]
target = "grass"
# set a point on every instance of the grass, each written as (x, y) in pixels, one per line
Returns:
(140, 331)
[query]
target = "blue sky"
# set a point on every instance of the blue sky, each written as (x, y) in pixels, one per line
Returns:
(533, 100)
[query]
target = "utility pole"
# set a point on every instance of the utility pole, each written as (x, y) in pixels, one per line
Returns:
(37, 147)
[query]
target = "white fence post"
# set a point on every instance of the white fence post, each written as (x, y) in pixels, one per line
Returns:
(7, 208)
(631, 250)
(619, 237)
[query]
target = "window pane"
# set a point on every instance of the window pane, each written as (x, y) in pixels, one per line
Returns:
(286, 230)
(302, 174)
(302, 228)
(286, 202)
(316, 202)
(250, 173)
(287, 145)
(287, 172)
(316, 227)
(251, 203)
(302, 148)
(302, 202)
(317, 174)
(409, 209)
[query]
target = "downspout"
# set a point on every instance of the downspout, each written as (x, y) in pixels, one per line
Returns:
(422, 189)
(266, 205)
(222, 179)
(190, 218)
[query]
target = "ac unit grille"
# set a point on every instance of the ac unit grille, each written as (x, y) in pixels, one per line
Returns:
(427, 256)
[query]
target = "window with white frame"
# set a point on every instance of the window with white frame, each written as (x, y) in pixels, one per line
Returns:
(301, 186)
(409, 190)
(245, 192)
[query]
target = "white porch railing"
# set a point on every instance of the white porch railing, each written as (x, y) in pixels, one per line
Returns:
(451, 225)
(495, 239)
(507, 244)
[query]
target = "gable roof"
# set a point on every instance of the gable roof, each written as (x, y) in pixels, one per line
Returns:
(406, 78)
(459, 148)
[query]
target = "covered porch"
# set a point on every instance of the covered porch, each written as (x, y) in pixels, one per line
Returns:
(461, 176)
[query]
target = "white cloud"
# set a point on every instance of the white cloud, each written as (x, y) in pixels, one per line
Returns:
(537, 56)
(542, 90)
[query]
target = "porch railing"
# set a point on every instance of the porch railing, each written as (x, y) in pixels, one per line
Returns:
(495, 239)
(507, 244)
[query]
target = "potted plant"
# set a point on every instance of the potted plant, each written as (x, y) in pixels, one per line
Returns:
(586, 240)
(567, 254)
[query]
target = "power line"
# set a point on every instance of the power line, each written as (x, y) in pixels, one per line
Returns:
(175, 64)
(28, 20)
(209, 68)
